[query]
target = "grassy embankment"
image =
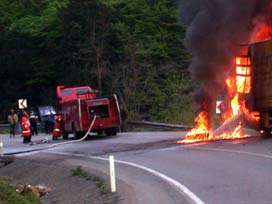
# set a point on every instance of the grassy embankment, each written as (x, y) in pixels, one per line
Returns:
(8, 195)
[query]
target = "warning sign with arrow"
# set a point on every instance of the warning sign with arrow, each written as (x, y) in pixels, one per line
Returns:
(220, 107)
(22, 103)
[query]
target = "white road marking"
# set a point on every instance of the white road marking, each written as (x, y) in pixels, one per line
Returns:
(191, 196)
(236, 151)
(196, 146)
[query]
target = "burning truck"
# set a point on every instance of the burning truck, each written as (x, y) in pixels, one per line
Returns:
(232, 54)
(261, 62)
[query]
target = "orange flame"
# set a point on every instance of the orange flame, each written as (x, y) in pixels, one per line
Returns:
(236, 133)
(241, 84)
(238, 85)
(243, 71)
(264, 32)
(201, 131)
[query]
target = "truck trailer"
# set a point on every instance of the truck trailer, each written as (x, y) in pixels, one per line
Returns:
(260, 55)
(80, 105)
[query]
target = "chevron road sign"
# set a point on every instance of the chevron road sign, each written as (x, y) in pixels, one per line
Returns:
(22, 103)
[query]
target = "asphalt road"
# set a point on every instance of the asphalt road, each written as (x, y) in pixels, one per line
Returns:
(152, 168)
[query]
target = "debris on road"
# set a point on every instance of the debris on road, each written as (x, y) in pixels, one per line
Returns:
(39, 190)
(42, 141)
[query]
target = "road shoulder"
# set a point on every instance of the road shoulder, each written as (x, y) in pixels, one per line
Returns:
(65, 187)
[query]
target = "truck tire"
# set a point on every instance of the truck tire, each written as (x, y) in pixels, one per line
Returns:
(65, 135)
(111, 131)
(77, 134)
(114, 131)
(74, 132)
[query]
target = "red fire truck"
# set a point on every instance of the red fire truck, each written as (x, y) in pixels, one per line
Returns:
(79, 105)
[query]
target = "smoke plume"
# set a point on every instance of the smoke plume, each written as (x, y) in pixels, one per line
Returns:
(216, 29)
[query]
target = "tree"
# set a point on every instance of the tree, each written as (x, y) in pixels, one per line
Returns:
(148, 45)
(132, 48)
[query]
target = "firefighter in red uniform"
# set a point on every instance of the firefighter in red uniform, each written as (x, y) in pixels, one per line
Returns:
(26, 133)
(57, 130)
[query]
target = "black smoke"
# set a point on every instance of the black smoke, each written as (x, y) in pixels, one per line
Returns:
(216, 29)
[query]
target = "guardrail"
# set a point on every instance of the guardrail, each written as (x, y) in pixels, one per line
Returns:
(137, 123)
(158, 125)
(6, 126)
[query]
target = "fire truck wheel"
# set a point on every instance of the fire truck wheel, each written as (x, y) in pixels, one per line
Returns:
(114, 131)
(111, 131)
(65, 135)
(108, 132)
(74, 132)
(79, 135)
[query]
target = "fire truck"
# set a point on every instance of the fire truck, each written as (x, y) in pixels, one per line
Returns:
(80, 105)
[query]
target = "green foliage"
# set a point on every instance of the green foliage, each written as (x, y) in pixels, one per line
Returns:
(42, 24)
(8, 195)
(149, 45)
(174, 101)
(78, 171)
(150, 25)
(132, 48)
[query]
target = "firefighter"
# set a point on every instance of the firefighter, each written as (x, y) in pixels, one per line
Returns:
(33, 118)
(57, 130)
(26, 133)
(13, 120)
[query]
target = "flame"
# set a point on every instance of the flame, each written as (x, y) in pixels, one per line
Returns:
(237, 85)
(236, 133)
(243, 77)
(264, 32)
(201, 131)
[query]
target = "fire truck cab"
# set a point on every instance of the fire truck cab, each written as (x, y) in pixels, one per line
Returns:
(79, 105)
(70, 94)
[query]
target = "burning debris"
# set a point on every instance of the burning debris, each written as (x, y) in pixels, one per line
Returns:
(215, 35)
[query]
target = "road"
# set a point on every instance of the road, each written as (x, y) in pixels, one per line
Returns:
(152, 168)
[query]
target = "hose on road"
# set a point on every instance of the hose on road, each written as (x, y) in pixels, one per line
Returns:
(55, 145)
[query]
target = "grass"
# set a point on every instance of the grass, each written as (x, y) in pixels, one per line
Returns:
(4, 131)
(78, 171)
(8, 195)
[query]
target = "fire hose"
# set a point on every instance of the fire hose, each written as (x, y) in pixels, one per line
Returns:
(59, 144)
(79, 140)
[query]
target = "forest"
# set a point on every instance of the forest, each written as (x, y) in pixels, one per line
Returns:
(131, 48)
